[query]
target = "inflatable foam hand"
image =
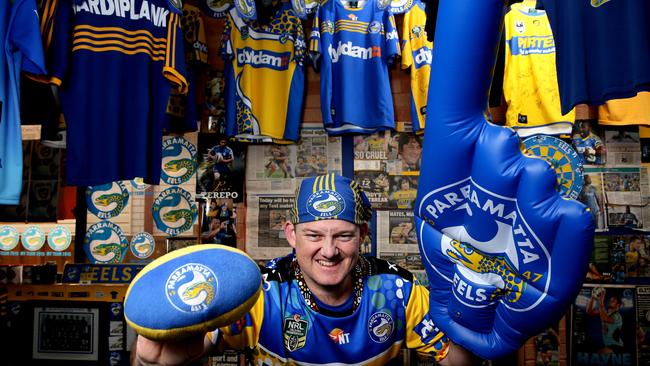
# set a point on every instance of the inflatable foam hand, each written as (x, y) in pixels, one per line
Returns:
(505, 253)
(192, 291)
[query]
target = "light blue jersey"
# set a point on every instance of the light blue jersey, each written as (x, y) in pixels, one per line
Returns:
(353, 47)
(23, 51)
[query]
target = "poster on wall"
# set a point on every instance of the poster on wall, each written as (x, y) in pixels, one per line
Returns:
(592, 196)
(603, 326)
(396, 153)
(587, 139)
(265, 219)
(643, 324)
(623, 147)
(623, 197)
(547, 346)
(220, 168)
(219, 222)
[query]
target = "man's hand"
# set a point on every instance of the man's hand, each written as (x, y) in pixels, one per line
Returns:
(147, 352)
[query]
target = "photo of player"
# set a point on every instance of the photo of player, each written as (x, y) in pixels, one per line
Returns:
(219, 223)
(592, 196)
(588, 144)
(636, 256)
(410, 152)
(220, 167)
(278, 165)
(547, 345)
(404, 191)
(376, 186)
(402, 231)
(603, 325)
(624, 216)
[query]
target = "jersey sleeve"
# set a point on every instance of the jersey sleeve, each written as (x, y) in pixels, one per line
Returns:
(392, 39)
(314, 38)
(174, 69)
(24, 35)
(300, 46)
(245, 332)
(407, 52)
(422, 334)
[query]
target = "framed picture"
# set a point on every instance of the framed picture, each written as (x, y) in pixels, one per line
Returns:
(179, 242)
(66, 333)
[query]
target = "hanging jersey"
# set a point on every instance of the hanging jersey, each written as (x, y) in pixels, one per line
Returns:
(417, 54)
(22, 50)
(282, 329)
(628, 111)
(530, 79)
(114, 65)
(352, 47)
(264, 74)
(603, 49)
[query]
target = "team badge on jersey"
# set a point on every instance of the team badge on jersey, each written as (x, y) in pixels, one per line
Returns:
(59, 238)
(598, 3)
(246, 9)
(374, 27)
(401, 6)
(493, 239)
(9, 238)
(105, 242)
(107, 200)
(174, 211)
(295, 332)
(380, 327)
(191, 287)
(142, 245)
(563, 158)
(178, 160)
(33, 238)
(325, 204)
(215, 8)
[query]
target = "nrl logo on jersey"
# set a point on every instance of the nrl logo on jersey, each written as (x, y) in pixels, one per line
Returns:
(295, 333)
(492, 237)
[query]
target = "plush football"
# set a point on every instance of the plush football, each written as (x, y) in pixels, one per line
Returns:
(191, 291)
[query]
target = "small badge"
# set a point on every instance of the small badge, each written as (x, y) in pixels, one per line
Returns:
(142, 245)
(380, 327)
(59, 238)
(33, 238)
(295, 333)
(9, 238)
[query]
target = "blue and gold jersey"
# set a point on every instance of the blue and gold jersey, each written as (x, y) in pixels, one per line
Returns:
(353, 47)
(530, 79)
(115, 62)
(264, 74)
(392, 314)
(417, 54)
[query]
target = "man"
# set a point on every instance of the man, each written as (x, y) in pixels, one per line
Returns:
(590, 196)
(610, 320)
(588, 144)
(410, 152)
(326, 304)
(222, 155)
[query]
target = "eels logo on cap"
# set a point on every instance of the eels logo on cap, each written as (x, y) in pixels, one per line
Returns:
(191, 287)
(325, 204)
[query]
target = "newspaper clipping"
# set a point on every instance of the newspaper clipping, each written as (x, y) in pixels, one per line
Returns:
(265, 219)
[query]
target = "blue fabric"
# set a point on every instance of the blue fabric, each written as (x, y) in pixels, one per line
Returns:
(603, 49)
(22, 51)
(330, 196)
(504, 252)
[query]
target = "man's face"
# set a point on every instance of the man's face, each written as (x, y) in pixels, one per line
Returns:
(326, 251)
(411, 152)
(585, 128)
(222, 142)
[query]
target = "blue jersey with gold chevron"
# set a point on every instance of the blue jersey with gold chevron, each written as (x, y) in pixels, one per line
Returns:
(390, 314)
(22, 50)
(264, 75)
(530, 79)
(353, 46)
(417, 54)
(115, 63)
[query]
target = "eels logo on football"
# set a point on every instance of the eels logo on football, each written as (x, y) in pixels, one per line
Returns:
(325, 204)
(59, 238)
(105, 242)
(107, 200)
(178, 160)
(191, 287)
(142, 245)
(380, 327)
(174, 211)
(33, 238)
(9, 238)
(492, 239)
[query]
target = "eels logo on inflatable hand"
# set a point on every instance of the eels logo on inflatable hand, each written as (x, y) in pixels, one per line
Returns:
(191, 287)
(504, 251)
(325, 204)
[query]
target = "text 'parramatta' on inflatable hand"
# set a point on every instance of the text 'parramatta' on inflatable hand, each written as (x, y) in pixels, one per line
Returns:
(505, 253)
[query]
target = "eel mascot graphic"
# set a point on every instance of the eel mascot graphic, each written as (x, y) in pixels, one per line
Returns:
(504, 252)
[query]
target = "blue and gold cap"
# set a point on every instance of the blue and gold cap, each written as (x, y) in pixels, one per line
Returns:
(330, 196)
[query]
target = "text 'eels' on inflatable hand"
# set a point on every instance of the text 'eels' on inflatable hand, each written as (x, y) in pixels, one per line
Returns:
(504, 252)
(192, 291)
